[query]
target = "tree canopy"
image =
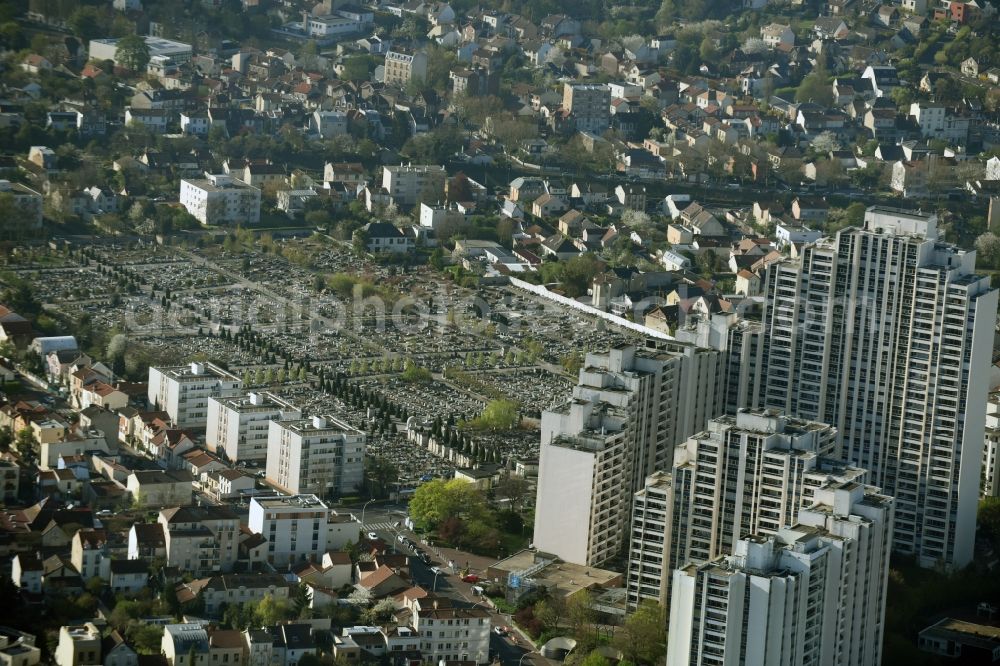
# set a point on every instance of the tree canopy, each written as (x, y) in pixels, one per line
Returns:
(133, 53)
(439, 500)
(498, 415)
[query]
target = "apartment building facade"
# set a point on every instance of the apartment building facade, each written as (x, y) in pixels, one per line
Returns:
(812, 594)
(886, 333)
(321, 455)
(585, 465)
(740, 342)
(300, 527)
(589, 105)
(238, 426)
(200, 539)
(991, 448)
(406, 183)
(401, 67)
(79, 645)
(452, 634)
(183, 391)
(748, 474)
(221, 199)
(629, 410)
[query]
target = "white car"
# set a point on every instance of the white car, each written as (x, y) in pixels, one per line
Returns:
(372, 535)
(437, 571)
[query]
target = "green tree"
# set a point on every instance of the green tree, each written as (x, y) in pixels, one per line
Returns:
(270, 611)
(581, 614)
(595, 658)
(380, 474)
(414, 373)
(145, 638)
(358, 68)
(643, 638)
(133, 53)
(512, 490)
(85, 22)
(815, 88)
(666, 14)
(578, 273)
(439, 500)
(498, 415)
(21, 299)
(24, 443)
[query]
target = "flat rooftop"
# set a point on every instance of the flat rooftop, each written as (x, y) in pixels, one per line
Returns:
(210, 186)
(557, 575)
(319, 424)
(972, 634)
(265, 401)
(195, 371)
(290, 502)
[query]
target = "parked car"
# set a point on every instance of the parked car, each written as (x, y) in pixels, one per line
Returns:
(470, 578)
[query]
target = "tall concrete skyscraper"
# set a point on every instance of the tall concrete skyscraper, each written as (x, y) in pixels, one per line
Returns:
(886, 333)
(629, 410)
(739, 341)
(742, 475)
(813, 594)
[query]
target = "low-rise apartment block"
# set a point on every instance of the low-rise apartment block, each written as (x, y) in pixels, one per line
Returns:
(320, 455)
(221, 199)
(406, 183)
(200, 539)
(238, 425)
(183, 391)
(402, 67)
(300, 527)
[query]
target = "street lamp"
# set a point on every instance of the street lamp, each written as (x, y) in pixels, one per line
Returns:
(363, 512)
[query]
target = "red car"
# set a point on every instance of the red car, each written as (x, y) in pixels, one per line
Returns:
(470, 578)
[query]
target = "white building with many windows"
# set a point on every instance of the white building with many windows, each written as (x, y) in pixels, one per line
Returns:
(174, 52)
(448, 633)
(238, 425)
(629, 410)
(748, 474)
(183, 391)
(406, 183)
(991, 448)
(320, 455)
(300, 527)
(221, 199)
(199, 539)
(812, 594)
(886, 332)
(401, 67)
